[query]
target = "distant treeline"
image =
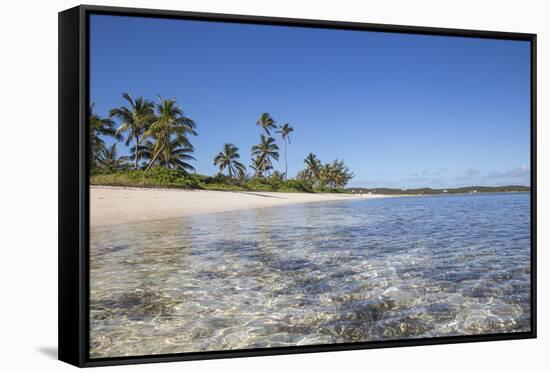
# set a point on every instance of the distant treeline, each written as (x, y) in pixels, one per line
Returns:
(430, 191)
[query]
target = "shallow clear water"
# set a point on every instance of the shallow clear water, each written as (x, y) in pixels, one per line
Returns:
(314, 273)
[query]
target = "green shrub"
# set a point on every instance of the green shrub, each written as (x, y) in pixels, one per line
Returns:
(162, 177)
(155, 177)
(298, 185)
(278, 185)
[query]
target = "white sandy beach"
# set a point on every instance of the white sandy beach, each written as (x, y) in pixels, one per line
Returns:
(115, 205)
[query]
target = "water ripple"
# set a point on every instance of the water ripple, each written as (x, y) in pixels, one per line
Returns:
(312, 274)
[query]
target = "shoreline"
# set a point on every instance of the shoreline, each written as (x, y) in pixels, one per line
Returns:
(111, 205)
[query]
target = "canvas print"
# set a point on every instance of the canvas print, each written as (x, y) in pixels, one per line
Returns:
(260, 186)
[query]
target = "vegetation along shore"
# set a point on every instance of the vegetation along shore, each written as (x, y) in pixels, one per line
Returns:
(158, 137)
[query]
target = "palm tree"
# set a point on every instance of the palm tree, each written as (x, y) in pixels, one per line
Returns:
(175, 155)
(326, 175)
(313, 168)
(228, 159)
(99, 127)
(340, 173)
(258, 167)
(170, 123)
(174, 158)
(285, 131)
(136, 118)
(144, 152)
(242, 176)
(264, 152)
(109, 160)
(266, 122)
(335, 174)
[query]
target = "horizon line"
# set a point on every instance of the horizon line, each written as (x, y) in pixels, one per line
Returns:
(445, 188)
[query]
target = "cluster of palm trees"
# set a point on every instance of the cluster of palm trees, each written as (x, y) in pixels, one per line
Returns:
(99, 127)
(159, 133)
(263, 154)
(332, 175)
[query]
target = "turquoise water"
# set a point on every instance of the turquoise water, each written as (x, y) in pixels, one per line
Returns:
(315, 273)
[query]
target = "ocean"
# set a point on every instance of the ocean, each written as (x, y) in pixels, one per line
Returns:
(314, 273)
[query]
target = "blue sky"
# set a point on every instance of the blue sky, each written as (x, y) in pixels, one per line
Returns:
(401, 110)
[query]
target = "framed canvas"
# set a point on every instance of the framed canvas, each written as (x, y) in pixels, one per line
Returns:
(234, 186)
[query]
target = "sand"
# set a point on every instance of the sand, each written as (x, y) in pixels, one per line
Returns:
(117, 205)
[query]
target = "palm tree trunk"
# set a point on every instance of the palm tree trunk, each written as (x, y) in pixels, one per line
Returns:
(137, 152)
(154, 158)
(286, 164)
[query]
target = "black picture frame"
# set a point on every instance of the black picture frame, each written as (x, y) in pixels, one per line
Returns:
(74, 184)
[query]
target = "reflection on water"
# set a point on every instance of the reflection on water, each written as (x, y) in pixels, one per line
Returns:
(312, 274)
